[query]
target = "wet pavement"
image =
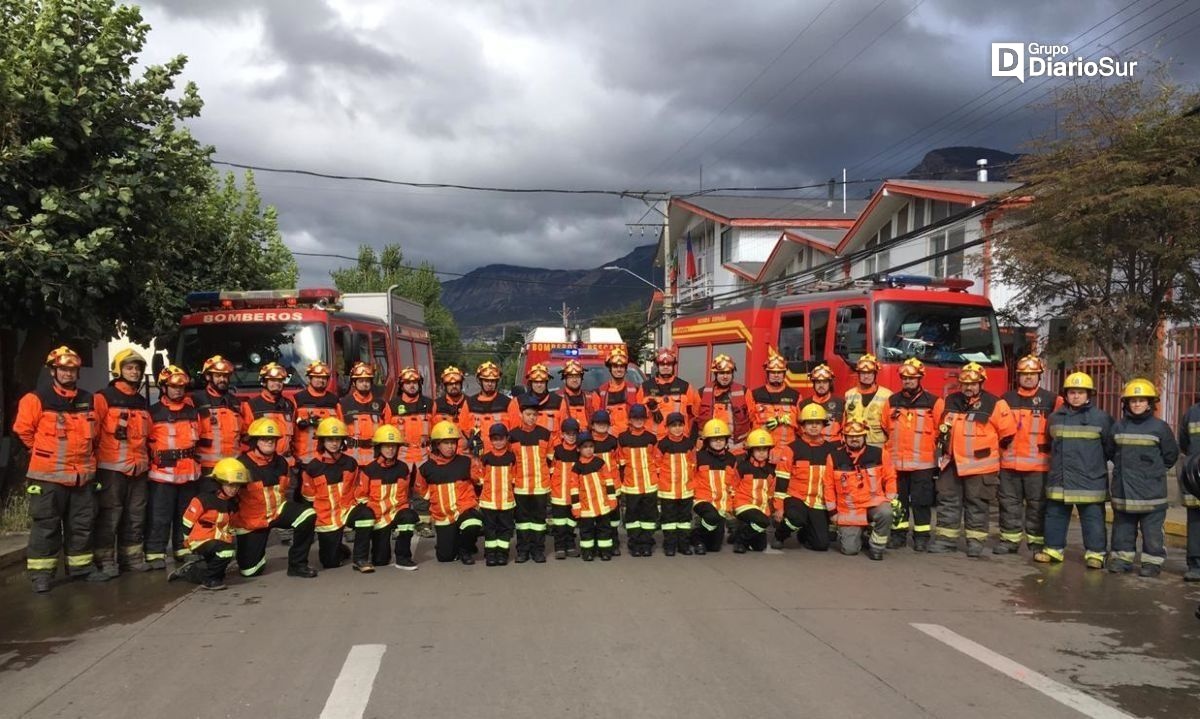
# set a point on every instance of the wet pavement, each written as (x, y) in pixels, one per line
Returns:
(752, 635)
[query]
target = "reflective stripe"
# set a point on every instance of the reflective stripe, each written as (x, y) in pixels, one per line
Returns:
(1014, 537)
(38, 564)
(948, 532)
(247, 571)
(1076, 496)
(467, 523)
(1055, 554)
(1075, 432)
(1138, 505)
(976, 534)
(1035, 539)
(310, 512)
(225, 553)
(922, 528)
(1093, 555)
(878, 540)
(80, 560)
(151, 556)
(1136, 440)
(1125, 556)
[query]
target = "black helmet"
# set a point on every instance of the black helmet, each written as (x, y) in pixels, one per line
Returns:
(1189, 478)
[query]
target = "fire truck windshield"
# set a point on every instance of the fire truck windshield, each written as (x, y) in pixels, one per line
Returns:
(935, 333)
(251, 345)
(595, 376)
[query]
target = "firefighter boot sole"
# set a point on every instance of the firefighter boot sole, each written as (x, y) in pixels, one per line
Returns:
(1192, 574)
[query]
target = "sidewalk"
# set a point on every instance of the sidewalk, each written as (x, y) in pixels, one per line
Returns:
(12, 549)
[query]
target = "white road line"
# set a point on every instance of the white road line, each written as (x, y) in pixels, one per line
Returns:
(1073, 698)
(352, 690)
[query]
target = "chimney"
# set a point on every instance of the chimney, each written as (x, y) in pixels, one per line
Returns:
(981, 173)
(830, 186)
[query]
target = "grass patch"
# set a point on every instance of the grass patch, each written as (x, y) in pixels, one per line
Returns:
(15, 517)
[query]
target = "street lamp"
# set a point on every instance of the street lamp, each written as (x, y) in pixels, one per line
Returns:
(631, 272)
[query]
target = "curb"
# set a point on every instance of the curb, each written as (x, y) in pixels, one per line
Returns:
(14, 554)
(1176, 530)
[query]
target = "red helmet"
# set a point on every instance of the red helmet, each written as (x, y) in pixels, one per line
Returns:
(272, 370)
(571, 367)
(216, 365)
(317, 369)
(538, 373)
(64, 357)
(723, 363)
(1030, 364)
(452, 375)
(362, 370)
(488, 370)
(617, 356)
(775, 361)
(665, 356)
(410, 374)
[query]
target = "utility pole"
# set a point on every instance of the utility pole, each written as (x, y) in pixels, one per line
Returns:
(566, 317)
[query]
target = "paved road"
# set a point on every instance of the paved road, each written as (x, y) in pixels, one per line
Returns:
(771, 635)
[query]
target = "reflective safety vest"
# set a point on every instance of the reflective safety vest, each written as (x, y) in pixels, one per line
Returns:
(714, 480)
(976, 432)
(857, 481)
(59, 428)
(311, 408)
(208, 518)
(279, 409)
(676, 467)
(782, 406)
(1189, 438)
(414, 417)
(606, 449)
(1144, 449)
(563, 457)
(635, 458)
(363, 414)
(124, 429)
(663, 398)
(331, 486)
(1080, 447)
(911, 425)
(532, 448)
(385, 484)
(486, 411)
(261, 501)
(869, 413)
(220, 419)
(754, 486)
(835, 408)
(617, 399)
(729, 406)
(495, 475)
(445, 409)
(801, 472)
(1030, 448)
(448, 486)
(593, 491)
(575, 404)
(173, 437)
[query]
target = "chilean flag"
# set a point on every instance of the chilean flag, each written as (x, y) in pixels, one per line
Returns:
(690, 259)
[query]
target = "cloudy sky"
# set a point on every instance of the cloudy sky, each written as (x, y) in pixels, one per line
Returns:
(617, 94)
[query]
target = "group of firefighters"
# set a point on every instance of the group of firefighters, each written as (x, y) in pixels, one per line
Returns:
(114, 481)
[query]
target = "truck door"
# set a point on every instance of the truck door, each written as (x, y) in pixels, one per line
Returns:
(384, 376)
(850, 342)
(343, 352)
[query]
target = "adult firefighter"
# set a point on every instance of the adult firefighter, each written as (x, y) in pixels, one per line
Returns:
(616, 396)
(122, 466)
(866, 401)
(974, 429)
(1024, 462)
(860, 488)
(363, 413)
(174, 468)
(725, 400)
(413, 413)
(218, 413)
(666, 393)
(775, 406)
(487, 407)
(910, 420)
(549, 405)
(451, 405)
(822, 382)
(575, 400)
(313, 403)
(58, 427)
(272, 404)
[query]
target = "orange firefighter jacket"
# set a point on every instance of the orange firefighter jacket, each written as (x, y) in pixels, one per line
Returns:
(857, 480)
(495, 474)
(977, 430)
(220, 419)
(311, 408)
(593, 489)
(363, 414)
(911, 425)
(635, 458)
(208, 518)
(331, 485)
(448, 486)
(384, 483)
(801, 472)
(260, 502)
(59, 428)
(124, 428)
(754, 485)
(675, 467)
(1030, 447)
(714, 479)
(775, 410)
(173, 437)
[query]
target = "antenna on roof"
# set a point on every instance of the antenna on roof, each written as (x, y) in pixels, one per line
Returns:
(843, 190)
(829, 186)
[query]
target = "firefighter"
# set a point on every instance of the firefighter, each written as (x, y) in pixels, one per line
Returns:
(330, 485)
(531, 445)
(822, 381)
(218, 412)
(122, 466)
(712, 494)
(268, 504)
(725, 400)
(58, 426)
(1080, 447)
(1144, 449)
(313, 404)
(667, 393)
(1023, 464)
(865, 402)
(550, 410)
(451, 405)
(974, 428)
(800, 485)
(616, 396)
(386, 483)
(563, 456)
(363, 413)
(1189, 487)
(637, 484)
(208, 520)
(606, 449)
(775, 406)
(445, 480)
(174, 468)
(861, 489)
(413, 413)
(487, 407)
(753, 489)
(675, 458)
(496, 472)
(910, 421)
(593, 502)
(575, 400)
(273, 404)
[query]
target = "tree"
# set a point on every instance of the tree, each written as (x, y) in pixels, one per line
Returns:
(420, 284)
(1111, 238)
(630, 321)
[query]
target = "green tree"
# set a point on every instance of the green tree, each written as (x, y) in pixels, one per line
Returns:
(630, 321)
(376, 273)
(1111, 239)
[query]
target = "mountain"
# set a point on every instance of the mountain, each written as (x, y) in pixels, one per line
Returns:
(958, 163)
(495, 295)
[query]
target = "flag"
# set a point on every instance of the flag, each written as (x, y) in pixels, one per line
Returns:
(690, 259)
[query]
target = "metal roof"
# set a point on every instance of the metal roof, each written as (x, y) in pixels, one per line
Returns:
(749, 269)
(770, 208)
(829, 238)
(987, 189)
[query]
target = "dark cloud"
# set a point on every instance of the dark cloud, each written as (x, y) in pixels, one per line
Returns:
(602, 95)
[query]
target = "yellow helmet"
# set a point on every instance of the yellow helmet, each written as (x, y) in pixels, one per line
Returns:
(124, 357)
(264, 428)
(1079, 380)
(571, 367)
(759, 438)
(1030, 364)
(617, 356)
(362, 370)
(715, 428)
(217, 365)
(387, 434)
(452, 375)
(445, 430)
(272, 370)
(64, 357)
(488, 370)
(317, 368)
(538, 373)
(775, 361)
(821, 372)
(854, 429)
(1140, 389)
(723, 363)
(332, 427)
(813, 413)
(230, 471)
(972, 373)
(912, 367)
(867, 363)
(410, 374)
(173, 376)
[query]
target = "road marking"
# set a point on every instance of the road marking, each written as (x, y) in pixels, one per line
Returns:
(1073, 698)
(352, 690)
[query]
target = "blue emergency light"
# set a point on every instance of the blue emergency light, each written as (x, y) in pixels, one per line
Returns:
(564, 352)
(953, 283)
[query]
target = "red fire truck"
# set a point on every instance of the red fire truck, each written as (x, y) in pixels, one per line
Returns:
(894, 317)
(295, 327)
(553, 346)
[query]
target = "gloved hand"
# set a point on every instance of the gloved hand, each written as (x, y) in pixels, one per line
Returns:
(785, 420)
(897, 511)
(303, 423)
(771, 424)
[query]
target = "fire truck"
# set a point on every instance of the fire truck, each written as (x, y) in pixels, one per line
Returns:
(893, 317)
(553, 346)
(295, 327)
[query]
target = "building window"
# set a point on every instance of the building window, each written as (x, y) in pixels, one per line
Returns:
(727, 245)
(902, 221)
(950, 265)
(918, 213)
